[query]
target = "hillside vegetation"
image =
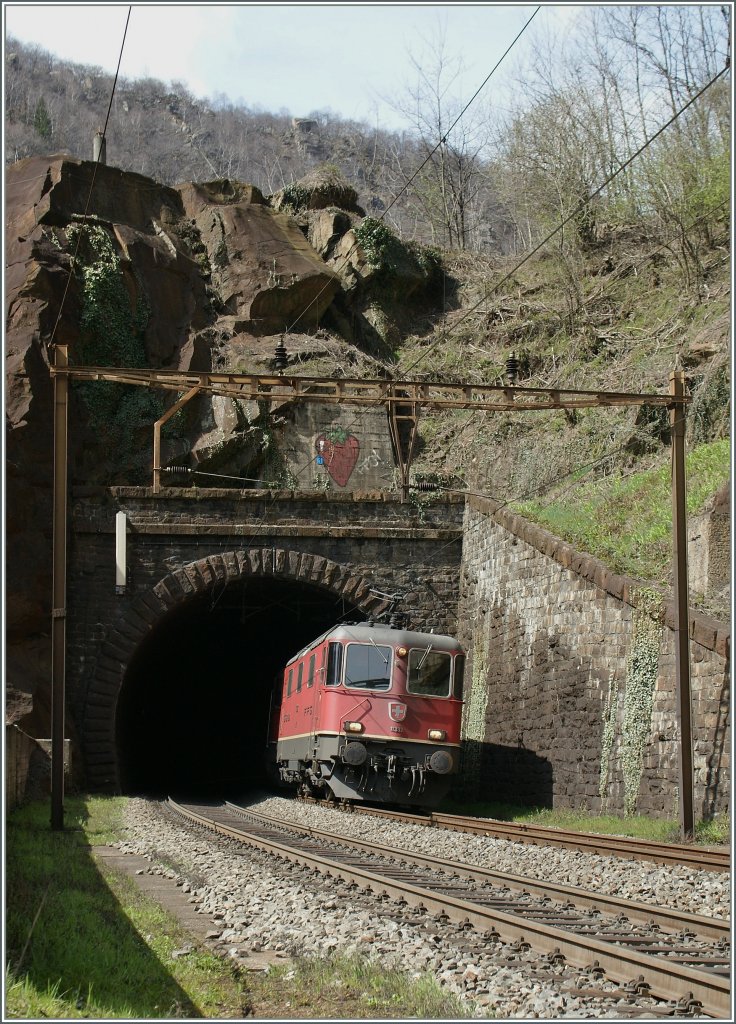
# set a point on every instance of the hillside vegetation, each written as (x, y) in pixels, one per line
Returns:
(565, 230)
(628, 332)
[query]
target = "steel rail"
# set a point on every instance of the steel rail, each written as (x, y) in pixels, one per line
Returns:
(701, 857)
(357, 391)
(644, 913)
(659, 978)
(625, 846)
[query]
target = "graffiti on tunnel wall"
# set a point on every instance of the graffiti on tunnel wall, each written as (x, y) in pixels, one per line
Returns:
(337, 451)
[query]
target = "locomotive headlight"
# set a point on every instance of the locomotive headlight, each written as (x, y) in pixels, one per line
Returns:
(437, 734)
(353, 726)
(402, 652)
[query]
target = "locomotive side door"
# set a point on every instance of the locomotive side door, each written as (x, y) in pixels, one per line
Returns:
(320, 675)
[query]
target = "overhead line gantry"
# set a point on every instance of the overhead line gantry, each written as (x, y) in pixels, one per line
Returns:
(403, 399)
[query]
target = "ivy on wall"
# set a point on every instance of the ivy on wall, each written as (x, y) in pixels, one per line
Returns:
(112, 334)
(641, 677)
(610, 712)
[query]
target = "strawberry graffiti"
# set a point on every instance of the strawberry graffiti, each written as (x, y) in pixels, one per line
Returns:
(337, 451)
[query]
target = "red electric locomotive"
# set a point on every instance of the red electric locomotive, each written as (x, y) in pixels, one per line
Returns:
(370, 712)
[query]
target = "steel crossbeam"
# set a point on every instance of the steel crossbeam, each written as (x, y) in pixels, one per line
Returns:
(355, 391)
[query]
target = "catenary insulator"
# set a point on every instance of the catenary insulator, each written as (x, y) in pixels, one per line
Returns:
(281, 357)
(512, 368)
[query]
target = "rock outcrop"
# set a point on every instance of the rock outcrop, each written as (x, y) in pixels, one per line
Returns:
(263, 268)
(202, 276)
(126, 271)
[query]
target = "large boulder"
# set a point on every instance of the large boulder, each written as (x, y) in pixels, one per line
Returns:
(263, 268)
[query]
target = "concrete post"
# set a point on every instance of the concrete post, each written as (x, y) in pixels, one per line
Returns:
(99, 148)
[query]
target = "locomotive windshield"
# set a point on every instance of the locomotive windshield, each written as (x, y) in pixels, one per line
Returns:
(429, 672)
(368, 667)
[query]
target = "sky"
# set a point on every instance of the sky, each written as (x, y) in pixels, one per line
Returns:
(353, 59)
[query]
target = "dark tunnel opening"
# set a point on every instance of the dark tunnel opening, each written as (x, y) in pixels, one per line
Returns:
(193, 711)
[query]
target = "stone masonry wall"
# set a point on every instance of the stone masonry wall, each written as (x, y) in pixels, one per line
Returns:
(571, 696)
(184, 541)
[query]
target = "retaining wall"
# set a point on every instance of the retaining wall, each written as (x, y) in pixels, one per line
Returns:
(571, 695)
(28, 767)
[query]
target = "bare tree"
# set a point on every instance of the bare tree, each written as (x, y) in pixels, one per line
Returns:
(442, 173)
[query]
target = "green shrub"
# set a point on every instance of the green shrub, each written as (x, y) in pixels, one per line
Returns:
(295, 196)
(381, 246)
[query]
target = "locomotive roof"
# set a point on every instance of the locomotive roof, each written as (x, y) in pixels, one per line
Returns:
(380, 633)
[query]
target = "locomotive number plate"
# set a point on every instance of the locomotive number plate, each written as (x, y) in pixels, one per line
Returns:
(396, 728)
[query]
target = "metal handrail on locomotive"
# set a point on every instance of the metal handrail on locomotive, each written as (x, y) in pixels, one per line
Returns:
(370, 712)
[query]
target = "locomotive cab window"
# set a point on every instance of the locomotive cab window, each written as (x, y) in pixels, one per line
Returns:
(429, 672)
(368, 667)
(289, 680)
(334, 665)
(459, 677)
(300, 673)
(310, 673)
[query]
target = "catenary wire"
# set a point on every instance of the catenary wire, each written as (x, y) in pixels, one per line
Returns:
(721, 206)
(580, 206)
(477, 92)
(442, 141)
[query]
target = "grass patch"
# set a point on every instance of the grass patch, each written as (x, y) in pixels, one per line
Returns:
(350, 988)
(84, 942)
(626, 521)
(659, 830)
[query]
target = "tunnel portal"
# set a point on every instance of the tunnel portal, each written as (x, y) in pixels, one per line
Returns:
(193, 709)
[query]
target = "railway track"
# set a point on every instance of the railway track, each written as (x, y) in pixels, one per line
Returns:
(680, 959)
(700, 857)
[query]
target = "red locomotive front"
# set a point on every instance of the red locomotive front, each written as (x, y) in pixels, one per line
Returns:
(370, 712)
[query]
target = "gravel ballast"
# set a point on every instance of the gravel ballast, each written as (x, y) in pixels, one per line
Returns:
(262, 903)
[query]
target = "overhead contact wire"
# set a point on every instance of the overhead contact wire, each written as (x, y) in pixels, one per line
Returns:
(462, 113)
(580, 206)
(442, 141)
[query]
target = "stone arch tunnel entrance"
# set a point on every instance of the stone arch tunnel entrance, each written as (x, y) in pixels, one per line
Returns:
(220, 590)
(193, 708)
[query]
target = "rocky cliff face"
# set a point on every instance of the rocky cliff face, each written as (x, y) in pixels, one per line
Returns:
(128, 272)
